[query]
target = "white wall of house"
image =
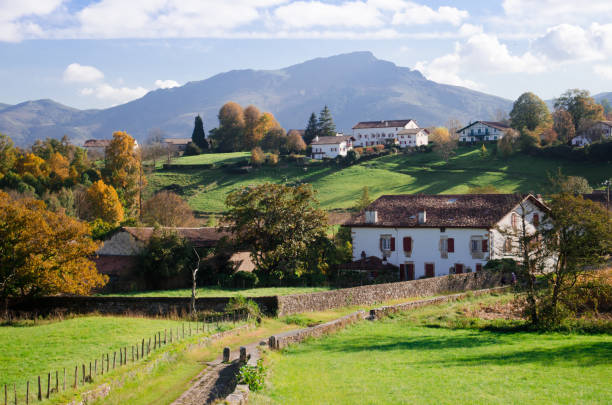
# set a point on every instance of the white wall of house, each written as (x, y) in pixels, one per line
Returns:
(478, 130)
(428, 246)
(412, 140)
(378, 136)
(330, 150)
(121, 244)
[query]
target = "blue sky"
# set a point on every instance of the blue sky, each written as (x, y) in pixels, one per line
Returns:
(95, 54)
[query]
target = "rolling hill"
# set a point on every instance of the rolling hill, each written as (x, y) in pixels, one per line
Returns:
(356, 86)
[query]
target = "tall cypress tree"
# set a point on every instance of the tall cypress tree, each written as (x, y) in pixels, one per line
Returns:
(326, 126)
(312, 129)
(199, 137)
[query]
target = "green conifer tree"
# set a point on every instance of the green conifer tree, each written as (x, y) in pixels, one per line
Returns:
(312, 129)
(326, 126)
(199, 137)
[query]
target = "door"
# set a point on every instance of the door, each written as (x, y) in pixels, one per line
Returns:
(429, 270)
(402, 272)
(410, 271)
(458, 268)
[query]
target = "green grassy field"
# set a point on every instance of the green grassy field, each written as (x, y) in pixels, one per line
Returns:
(212, 158)
(28, 350)
(408, 359)
(205, 190)
(221, 292)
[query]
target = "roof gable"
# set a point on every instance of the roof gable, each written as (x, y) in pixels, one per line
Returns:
(493, 124)
(442, 210)
(383, 124)
(331, 140)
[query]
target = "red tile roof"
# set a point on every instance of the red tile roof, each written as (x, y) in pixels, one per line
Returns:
(97, 143)
(331, 140)
(442, 210)
(382, 124)
(199, 237)
(177, 141)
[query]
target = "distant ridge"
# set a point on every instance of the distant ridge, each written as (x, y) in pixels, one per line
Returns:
(356, 86)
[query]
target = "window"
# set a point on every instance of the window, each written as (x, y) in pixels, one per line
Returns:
(430, 270)
(515, 221)
(458, 268)
(478, 267)
(407, 244)
(536, 220)
(387, 243)
(474, 245)
(508, 245)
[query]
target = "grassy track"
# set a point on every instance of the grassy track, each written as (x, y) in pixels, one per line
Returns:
(400, 361)
(29, 351)
(205, 190)
(220, 292)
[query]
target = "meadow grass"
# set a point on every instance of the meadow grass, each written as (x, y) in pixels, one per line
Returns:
(339, 188)
(212, 158)
(415, 358)
(30, 349)
(224, 292)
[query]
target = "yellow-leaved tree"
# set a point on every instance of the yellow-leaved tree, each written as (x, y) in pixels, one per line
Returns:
(103, 202)
(122, 169)
(30, 163)
(58, 166)
(44, 252)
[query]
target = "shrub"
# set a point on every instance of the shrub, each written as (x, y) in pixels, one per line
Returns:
(378, 148)
(257, 156)
(252, 375)
(272, 159)
(240, 303)
(243, 279)
(192, 149)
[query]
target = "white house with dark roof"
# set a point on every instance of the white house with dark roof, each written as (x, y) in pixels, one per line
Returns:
(600, 130)
(331, 146)
(370, 133)
(479, 131)
(437, 235)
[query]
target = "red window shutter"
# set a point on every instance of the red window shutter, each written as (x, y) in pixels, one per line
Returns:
(478, 267)
(380, 243)
(407, 244)
(450, 247)
(393, 244)
(485, 245)
(536, 219)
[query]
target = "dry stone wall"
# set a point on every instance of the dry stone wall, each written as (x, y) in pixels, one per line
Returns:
(372, 294)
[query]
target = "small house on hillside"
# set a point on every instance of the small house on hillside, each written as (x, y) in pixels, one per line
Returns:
(370, 133)
(436, 235)
(480, 131)
(177, 143)
(331, 146)
(100, 145)
(599, 131)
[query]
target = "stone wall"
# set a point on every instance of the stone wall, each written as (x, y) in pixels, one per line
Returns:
(151, 306)
(372, 294)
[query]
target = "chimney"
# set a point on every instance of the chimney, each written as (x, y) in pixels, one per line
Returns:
(316, 138)
(422, 217)
(371, 217)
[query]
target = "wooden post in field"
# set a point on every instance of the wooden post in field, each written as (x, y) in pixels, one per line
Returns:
(48, 384)
(95, 366)
(83, 368)
(27, 392)
(149, 347)
(226, 354)
(125, 355)
(56, 381)
(170, 335)
(76, 372)
(5, 395)
(137, 353)
(90, 370)
(114, 359)
(142, 350)
(64, 379)
(120, 356)
(154, 340)
(39, 396)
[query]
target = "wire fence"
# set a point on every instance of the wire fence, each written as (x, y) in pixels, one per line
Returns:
(88, 372)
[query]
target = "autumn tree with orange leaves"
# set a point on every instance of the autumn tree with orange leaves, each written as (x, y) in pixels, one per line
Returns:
(123, 171)
(103, 202)
(42, 252)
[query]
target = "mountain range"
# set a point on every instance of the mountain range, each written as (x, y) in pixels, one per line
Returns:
(355, 86)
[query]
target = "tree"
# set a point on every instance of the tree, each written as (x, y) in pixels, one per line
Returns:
(312, 129)
(564, 125)
(229, 137)
(7, 154)
(30, 163)
(58, 167)
(154, 147)
(167, 209)
(42, 252)
(364, 200)
(575, 235)
(257, 156)
(122, 169)
(325, 125)
(198, 135)
(194, 274)
(295, 143)
(506, 145)
(444, 144)
(166, 256)
(278, 224)
(103, 203)
(484, 153)
(275, 140)
(529, 111)
(548, 136)
(581, 106)
(192, 149)
(563, 184)
(252, 136)
(607, 108)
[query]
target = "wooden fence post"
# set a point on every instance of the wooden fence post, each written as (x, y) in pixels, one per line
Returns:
(114, 359)
(120, 356)
(90, 370)
(64, 379)
(142, 350)
(39, 396)
(149, 347)
(5, 395)
(154, 340)
(48, 384)
(56, 381)
(27, 392)
(76, 372)
(95, 366)
(83, 368)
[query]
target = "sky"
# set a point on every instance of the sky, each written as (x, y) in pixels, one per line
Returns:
(96, 54)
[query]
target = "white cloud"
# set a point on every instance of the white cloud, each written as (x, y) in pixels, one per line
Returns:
(418, 14)
(446, 69)
(76, 73)
(567, 42)
(11, 12)
(166, 84)
(302, 14)
(547, 12)
(605, 71)
(114, 95)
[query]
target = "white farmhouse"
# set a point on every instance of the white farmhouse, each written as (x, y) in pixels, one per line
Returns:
(370, 133)
(600, 130)
(436, 235)
(331, 146)
(479, 131)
